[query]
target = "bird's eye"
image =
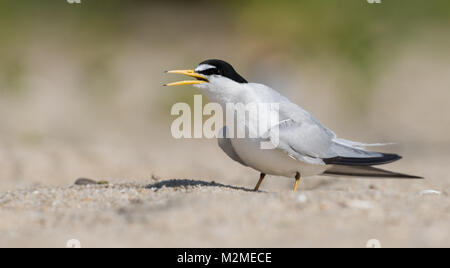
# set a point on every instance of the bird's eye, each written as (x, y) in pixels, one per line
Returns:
(209, 71)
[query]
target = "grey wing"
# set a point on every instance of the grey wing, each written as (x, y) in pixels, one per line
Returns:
(311, 142)
(226, 146)
(304, 138)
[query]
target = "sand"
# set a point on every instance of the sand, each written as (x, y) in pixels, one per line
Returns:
(165, 212)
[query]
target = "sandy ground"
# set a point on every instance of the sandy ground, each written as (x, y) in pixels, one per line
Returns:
(214, 206)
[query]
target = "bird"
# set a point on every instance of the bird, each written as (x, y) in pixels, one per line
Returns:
(305, 147)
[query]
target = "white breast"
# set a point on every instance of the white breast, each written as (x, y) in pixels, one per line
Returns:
(272, 161)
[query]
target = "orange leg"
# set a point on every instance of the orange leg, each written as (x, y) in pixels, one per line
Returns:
(297, 180)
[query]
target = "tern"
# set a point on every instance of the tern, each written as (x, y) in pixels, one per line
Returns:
(305, 146)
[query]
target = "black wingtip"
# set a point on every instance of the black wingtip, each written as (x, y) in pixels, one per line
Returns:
(411, 177)
(362, 161)
(367, 171)
(362, 175)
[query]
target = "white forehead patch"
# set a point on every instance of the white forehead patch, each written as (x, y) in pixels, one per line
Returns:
(203, 67)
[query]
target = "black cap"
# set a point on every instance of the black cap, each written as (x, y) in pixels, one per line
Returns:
(222, 68)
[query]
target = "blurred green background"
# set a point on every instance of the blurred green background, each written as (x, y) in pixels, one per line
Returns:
(81, 75)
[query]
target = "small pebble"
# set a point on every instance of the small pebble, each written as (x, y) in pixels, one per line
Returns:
(323, 206)
(301, 198)
(373, 187)
(430, 192)
(84, 181)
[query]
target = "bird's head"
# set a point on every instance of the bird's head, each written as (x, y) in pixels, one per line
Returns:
(209, 72)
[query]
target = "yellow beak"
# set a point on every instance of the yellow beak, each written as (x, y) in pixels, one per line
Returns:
(200, 78)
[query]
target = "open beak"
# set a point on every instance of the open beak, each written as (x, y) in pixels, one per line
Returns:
(200, 78)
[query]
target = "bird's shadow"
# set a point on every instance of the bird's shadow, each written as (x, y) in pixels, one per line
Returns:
(174, 183)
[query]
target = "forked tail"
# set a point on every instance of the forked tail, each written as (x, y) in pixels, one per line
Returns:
(367, 171)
